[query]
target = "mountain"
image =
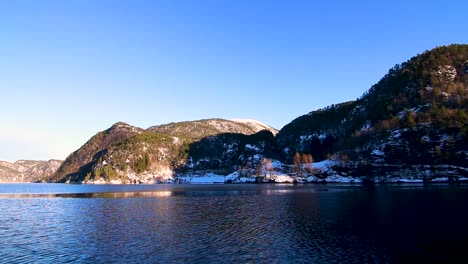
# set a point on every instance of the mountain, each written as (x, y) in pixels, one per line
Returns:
(415, 115)
(256, 125)
(79, 162)
(412, 122)
(130, 154)
(208, 127)
(27, 170)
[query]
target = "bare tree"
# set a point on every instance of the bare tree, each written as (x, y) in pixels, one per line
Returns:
(297, 161)
(267, 165)
(258, 169)
(308, 161)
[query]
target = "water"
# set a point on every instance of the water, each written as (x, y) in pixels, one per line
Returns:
(59, 223)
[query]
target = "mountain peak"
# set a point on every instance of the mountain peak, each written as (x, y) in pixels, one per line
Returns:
(120, 123)
(256, 124)
(208, 127)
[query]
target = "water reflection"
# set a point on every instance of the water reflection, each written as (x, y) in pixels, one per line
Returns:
(235, 224)
(175, 190)
(90, 195)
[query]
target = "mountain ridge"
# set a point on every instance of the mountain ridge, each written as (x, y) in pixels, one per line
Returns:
(198, 129)
(28, 170)
(415, 115)
(160, 148)
(413, 121)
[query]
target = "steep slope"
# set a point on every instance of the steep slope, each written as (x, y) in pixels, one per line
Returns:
(416, 114)
(42, 171)
(230, 150)
(144, 157)
(78, 163)
(314, 133)
(27, 170)
(9, 172)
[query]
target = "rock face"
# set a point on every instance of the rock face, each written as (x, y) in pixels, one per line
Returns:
(28, 170)
(446, 73)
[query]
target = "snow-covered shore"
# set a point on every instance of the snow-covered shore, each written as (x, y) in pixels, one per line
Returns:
(327, 171)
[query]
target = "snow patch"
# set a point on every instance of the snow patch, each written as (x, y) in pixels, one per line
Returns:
(377, 152)
(342, 179)
(252, 147)
(395, 134)
(367, 126)
(313, 179)
(411, 180)
(324, 165)
(246, 180)
(441, 179)
(176, 140)
(283, 178)
(209, 178)
(118, 181)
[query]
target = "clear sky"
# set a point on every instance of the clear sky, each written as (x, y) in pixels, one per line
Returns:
(69, 69)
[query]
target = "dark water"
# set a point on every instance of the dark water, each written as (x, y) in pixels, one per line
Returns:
(53, 223)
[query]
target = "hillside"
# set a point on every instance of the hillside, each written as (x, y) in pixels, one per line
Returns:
(413, 122)
(415, 115)
(79, 162)
(27, 170)
(256, 125)
(130, 154)
(208, 127)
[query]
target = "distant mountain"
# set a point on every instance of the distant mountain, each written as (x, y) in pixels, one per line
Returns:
(256, 125)
(208, 127)
(27, 170)
(131, 154)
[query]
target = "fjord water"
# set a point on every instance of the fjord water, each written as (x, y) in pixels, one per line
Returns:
(60, 223)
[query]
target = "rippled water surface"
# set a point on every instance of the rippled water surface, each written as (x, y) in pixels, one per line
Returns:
(59, 223)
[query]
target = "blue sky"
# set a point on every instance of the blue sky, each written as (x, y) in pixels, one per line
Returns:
(69, 69)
